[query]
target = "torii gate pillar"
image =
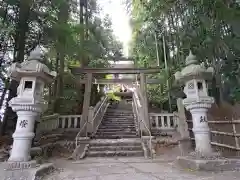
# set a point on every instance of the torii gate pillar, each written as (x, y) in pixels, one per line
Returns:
(86, 101)
(143, 88)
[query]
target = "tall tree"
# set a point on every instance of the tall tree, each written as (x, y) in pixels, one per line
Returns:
(53, 26)
(206, 27)
(19, 52)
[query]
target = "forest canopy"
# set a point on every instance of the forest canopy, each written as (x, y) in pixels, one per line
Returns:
(70, 32)
(165, 30)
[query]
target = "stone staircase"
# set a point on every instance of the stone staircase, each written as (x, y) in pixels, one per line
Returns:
(115, 148)
(116, 136)
(116, 124)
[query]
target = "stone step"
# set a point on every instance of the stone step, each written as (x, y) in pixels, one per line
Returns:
(118, 109)
(116, 148)
(123, 130)
(102, 127)
(118, 116)
(120, 112)
(119, 127)
(118, 124)
(120, 130)
(114, 136)
(117, 130)
(118, 119)
(115, 153)
(113, 110)
(116, 133)
(116, 142)
(132, 127)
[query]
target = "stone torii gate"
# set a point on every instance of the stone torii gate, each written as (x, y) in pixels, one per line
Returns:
(89, 80)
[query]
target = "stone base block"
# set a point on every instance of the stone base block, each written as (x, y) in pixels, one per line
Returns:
(44, 169)
(218, 164)
(35, 151)
(11, 165)
(185, 146)
(30, 173)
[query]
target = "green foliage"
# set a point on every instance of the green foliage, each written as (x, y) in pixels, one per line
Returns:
(70, 38)
(208, 28)
(113, 97)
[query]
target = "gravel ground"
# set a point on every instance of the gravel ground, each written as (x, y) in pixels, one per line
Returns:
(130, 169)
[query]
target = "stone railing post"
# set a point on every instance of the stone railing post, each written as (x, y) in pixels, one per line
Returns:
(185, 143)
(90, 126)
(182, 121)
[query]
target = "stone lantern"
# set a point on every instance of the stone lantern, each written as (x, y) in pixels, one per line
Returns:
(194, 77)
(29, 103)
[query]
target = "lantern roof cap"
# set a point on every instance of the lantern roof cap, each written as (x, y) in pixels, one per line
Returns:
(193, 70)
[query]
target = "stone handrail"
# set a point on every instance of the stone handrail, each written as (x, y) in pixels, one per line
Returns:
(163, 121)
(96, 107)
(95, 116)
(48, 123)
(139, 115)
(69, 121)
(56, 121)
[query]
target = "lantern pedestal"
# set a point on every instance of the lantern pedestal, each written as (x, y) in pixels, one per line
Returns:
(23, 135)
(200, 125)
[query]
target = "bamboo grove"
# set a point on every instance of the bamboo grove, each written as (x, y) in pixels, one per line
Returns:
(165, 30)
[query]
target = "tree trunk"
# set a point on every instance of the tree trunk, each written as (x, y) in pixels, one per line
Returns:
(10, 117)
(63, 18)
(61, 43)
(83, 59)
(3, 96)
(215, 79)
(1, 103)
(55, 86)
